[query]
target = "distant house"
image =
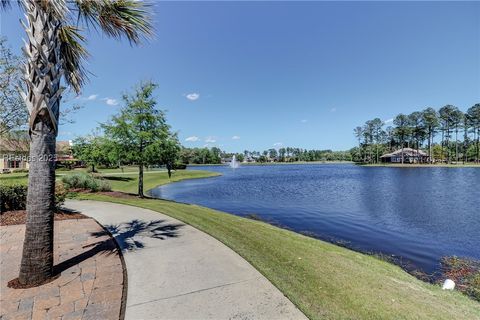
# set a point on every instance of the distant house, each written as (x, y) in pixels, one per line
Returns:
(249, 159)
(409, 156)
(14, 153)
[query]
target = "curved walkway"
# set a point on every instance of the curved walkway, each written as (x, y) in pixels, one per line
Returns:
(178, 272)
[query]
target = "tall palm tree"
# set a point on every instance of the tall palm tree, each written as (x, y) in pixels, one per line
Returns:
(54, 48)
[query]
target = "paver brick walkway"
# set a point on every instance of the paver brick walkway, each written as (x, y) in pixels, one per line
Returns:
(90, 285)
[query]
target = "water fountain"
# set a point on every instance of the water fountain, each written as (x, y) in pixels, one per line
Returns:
(234, 163)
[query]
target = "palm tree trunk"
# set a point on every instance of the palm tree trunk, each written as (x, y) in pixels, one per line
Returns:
(42, 75)
(37, 258)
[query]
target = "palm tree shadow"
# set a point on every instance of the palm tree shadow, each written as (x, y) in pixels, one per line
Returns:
(127, 234)
(128, 237)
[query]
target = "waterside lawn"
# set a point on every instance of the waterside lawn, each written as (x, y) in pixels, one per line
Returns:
(324, 280)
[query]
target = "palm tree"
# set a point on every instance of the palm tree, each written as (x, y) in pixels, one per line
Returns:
(54, 48)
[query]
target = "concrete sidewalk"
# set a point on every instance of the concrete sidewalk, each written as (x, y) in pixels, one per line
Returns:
(178, 272)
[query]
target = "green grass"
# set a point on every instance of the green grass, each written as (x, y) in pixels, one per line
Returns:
(14, 178)
(325, 281)
(128, 182)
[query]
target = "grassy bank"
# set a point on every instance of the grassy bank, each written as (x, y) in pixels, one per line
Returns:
(128, 182)
(14, 178)
(125, 181)
(325, 281)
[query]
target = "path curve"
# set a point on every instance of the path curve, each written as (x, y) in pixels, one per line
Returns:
(178, 272)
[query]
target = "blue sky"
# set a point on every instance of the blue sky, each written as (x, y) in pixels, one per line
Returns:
(254, 75)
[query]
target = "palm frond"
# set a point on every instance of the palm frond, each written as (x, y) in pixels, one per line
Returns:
(7, 4)
(118, 18)
(58, 8)
(73, 55)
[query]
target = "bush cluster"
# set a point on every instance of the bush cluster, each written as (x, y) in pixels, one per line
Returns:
(13, 197)
(85, 181)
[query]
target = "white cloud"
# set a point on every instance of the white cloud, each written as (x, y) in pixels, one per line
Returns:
(110, 101)
(210, 140)
(92, 97)
(193, 96)
(303, 121)
(278, 144)
(333, 109)
(388, 121)
(192, 139)
(235, 138)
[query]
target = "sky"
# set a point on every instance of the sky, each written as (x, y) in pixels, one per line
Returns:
(259, 75)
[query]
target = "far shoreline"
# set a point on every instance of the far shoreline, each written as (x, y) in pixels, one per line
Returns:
(420, 165)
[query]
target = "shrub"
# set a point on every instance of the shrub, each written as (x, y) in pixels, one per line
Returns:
(20, 170)
(85, 181)
(60, 194)
(13, 197)
(180, 166)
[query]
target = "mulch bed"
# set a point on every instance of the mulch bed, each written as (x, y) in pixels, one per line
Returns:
(20, 217)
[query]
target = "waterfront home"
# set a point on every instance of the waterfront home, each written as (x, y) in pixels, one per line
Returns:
(409, 156)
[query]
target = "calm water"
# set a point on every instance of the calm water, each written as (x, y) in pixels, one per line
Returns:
(420, 214)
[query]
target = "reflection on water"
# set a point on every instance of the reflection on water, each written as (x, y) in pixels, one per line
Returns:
(420, 214)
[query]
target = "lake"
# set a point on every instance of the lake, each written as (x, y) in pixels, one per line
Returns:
(418, 214)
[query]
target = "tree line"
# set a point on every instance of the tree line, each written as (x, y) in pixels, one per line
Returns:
(215, 155)
(448, 135)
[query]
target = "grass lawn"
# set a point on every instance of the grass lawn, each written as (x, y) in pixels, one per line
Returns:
(13, 178)
(324, 280)
(128, 182)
